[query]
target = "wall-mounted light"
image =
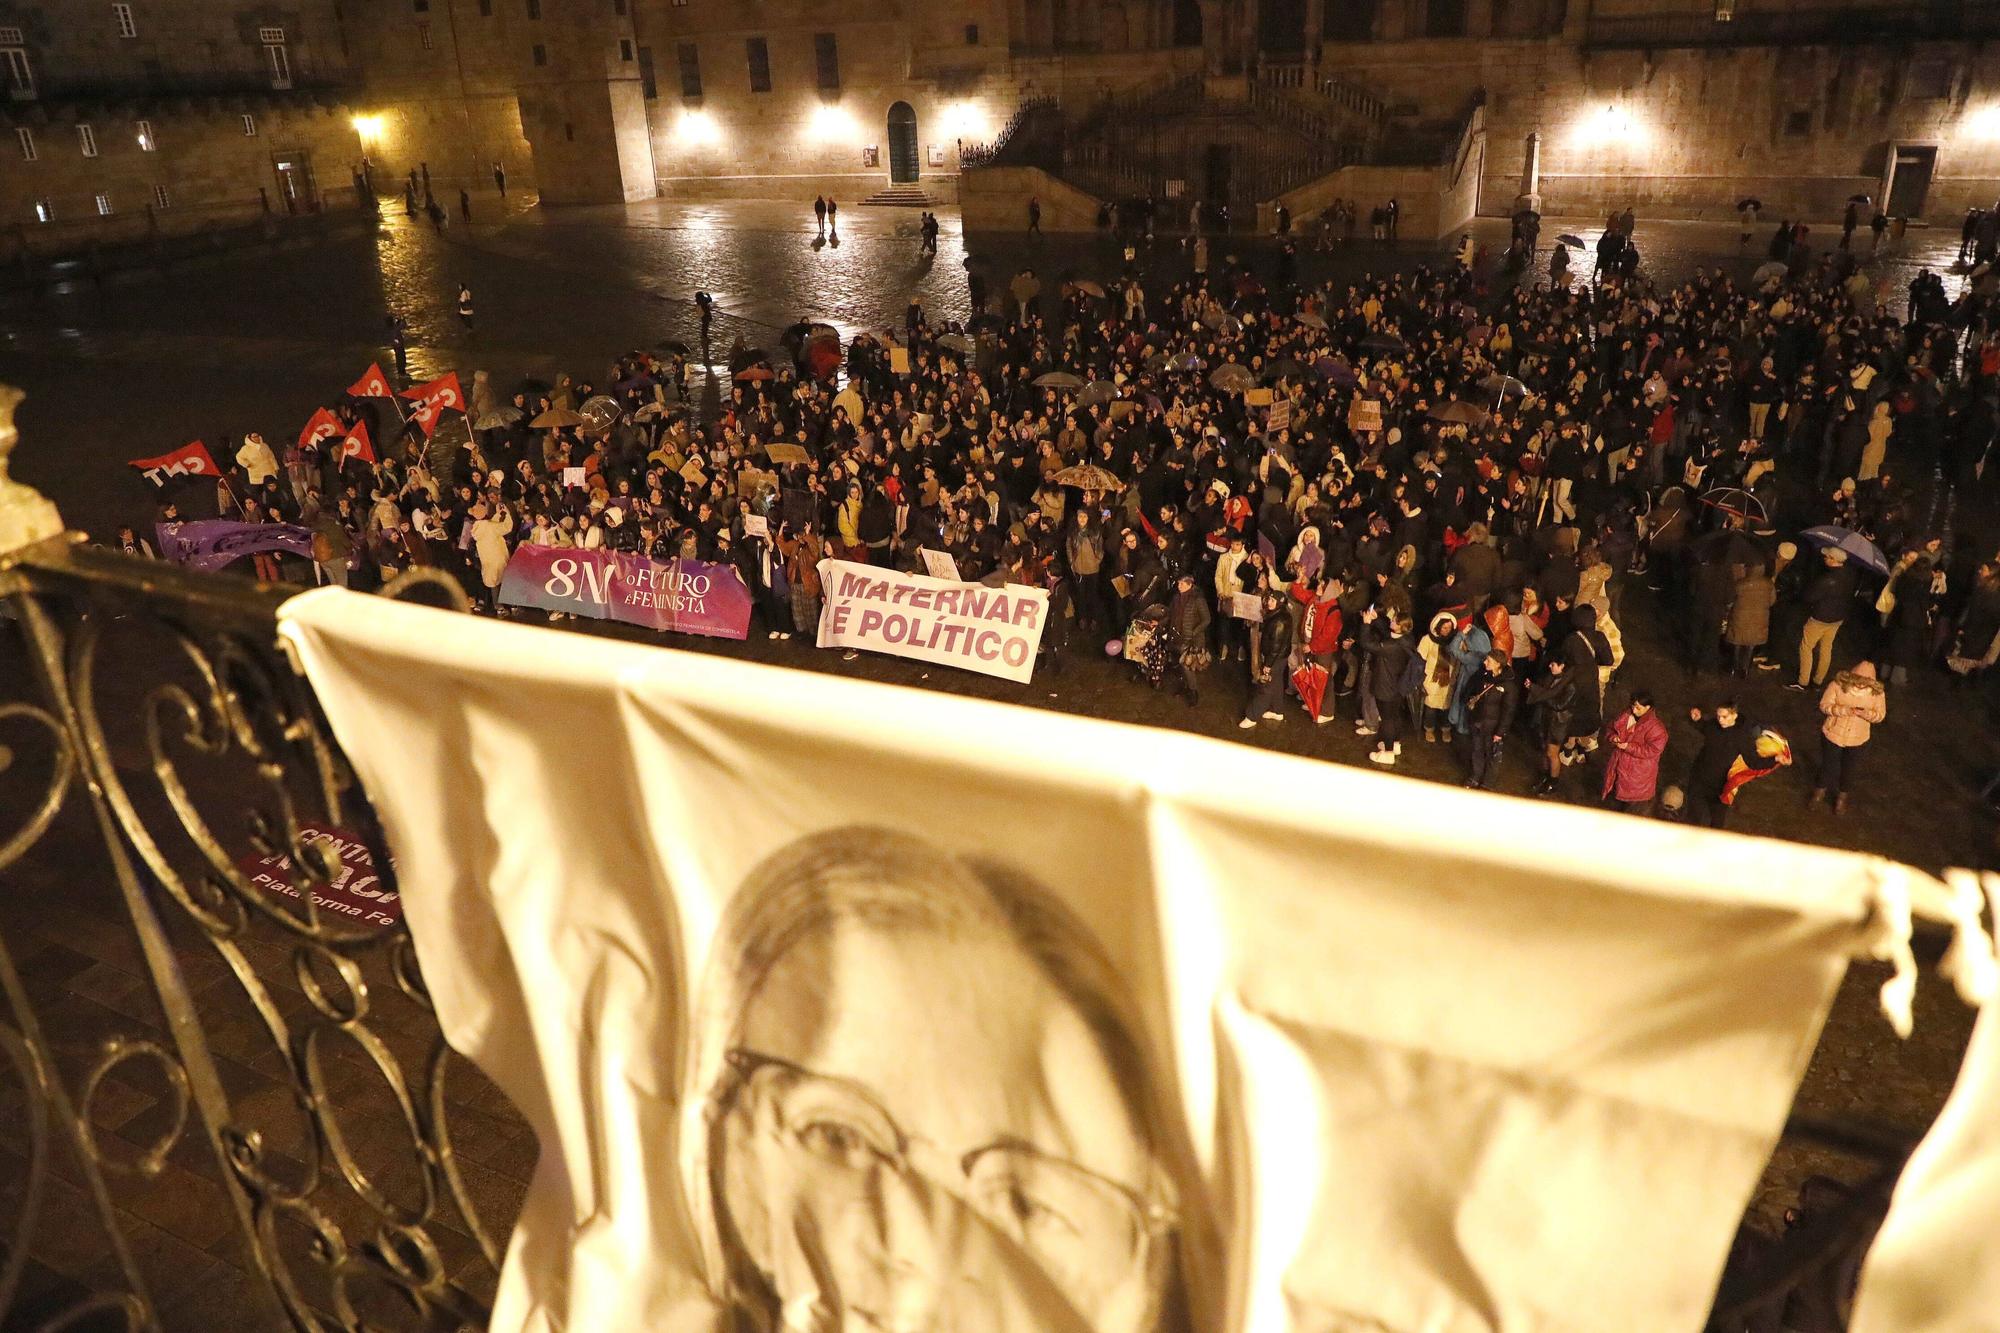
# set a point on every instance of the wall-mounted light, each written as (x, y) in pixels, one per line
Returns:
(697, 129)
(965, 120)
(1608, 126)
(368, 127)
(832, 124)
(1983, 123)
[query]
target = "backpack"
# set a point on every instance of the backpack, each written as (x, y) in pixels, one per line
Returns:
(1413, 675)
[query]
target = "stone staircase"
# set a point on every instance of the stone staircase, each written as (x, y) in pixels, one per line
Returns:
(899, 196)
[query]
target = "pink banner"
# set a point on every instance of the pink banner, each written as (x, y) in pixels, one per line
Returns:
(678, 596)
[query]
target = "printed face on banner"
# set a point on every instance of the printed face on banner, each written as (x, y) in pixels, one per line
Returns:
(865, 1156)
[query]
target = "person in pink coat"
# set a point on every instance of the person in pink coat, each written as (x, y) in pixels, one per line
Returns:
(1633, 744)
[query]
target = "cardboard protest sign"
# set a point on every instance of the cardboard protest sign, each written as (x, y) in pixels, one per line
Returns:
(786, 453)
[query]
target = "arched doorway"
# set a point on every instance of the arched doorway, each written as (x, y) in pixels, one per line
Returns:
(902, 144)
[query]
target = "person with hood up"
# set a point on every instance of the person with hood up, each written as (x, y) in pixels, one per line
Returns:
(1439, 673)
(1853, 702)
(1634, 742)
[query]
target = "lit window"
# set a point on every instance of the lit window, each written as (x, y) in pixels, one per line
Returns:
(161, 199)
(249, 126)
(86, 140)
(126, 27)
(146, 144)
(104, 205)
(26, 138)
(424, 35)
(44, 211)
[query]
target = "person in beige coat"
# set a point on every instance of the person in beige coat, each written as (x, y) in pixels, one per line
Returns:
(490, 526)
(1854, 702)
(1881, 425)
(1749, 625)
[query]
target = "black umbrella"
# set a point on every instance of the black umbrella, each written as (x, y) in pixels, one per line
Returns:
(1568, 239)
(1382, 342)
(1860, 199)
(672, 346)
(1749, 203)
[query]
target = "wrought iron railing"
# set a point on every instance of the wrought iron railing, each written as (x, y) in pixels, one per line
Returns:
(289, 1061)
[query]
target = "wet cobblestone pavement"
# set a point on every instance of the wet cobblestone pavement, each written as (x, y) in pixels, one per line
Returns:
(256, 340)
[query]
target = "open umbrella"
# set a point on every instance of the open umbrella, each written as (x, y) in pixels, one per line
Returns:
(1088, 288)
(1737, 503)
(1771, 270)
(659, 411)
(1500, 386)
(1750, 202)
(754, 374)
(1568, 239)
(1283, 367)
(1311, 320)
(1232, 378)
(1383, 342)
(1337, 371)
(1089, 477)
(498, 418)
(1057, 379)
(558, 417)
(602, 411)
(1095, 392)
(1457, 413)
(1858, 548)
(957, 342)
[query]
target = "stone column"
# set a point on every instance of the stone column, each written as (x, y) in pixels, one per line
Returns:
(1531, 172)
(1252, 29)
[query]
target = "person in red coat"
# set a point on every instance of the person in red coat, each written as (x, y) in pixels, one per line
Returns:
(1319, 639)
(1633, 744)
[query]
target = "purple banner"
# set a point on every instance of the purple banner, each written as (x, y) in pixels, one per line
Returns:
(679, 596)
(211, 543)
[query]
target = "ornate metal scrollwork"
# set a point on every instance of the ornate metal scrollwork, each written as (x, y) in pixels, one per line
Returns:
(343, 1175)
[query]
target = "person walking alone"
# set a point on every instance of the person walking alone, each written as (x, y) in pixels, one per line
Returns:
(1854, 702)
(1034, 216)
(465, 206)
(500, 179)
(465, 306)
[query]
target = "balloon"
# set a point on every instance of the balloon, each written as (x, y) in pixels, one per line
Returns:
(1113, 647)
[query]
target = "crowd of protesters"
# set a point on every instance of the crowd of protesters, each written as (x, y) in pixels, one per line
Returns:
(1418, 500)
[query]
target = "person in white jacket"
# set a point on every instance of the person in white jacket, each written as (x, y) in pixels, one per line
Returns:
(257, 460)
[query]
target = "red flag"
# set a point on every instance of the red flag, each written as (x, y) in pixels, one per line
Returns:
(356, 445)
(374, 384)
(190, 460)
(433, 399)
(323, 426)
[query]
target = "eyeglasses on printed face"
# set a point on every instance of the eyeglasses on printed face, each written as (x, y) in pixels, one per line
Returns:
(836, 1134)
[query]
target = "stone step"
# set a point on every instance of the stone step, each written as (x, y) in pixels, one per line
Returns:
(899, 196)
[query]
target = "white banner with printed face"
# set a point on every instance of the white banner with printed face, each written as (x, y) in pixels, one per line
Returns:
(840, 1006)
(991, 630)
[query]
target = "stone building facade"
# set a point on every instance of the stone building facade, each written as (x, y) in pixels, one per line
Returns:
(127, 117)
(1677, 107)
